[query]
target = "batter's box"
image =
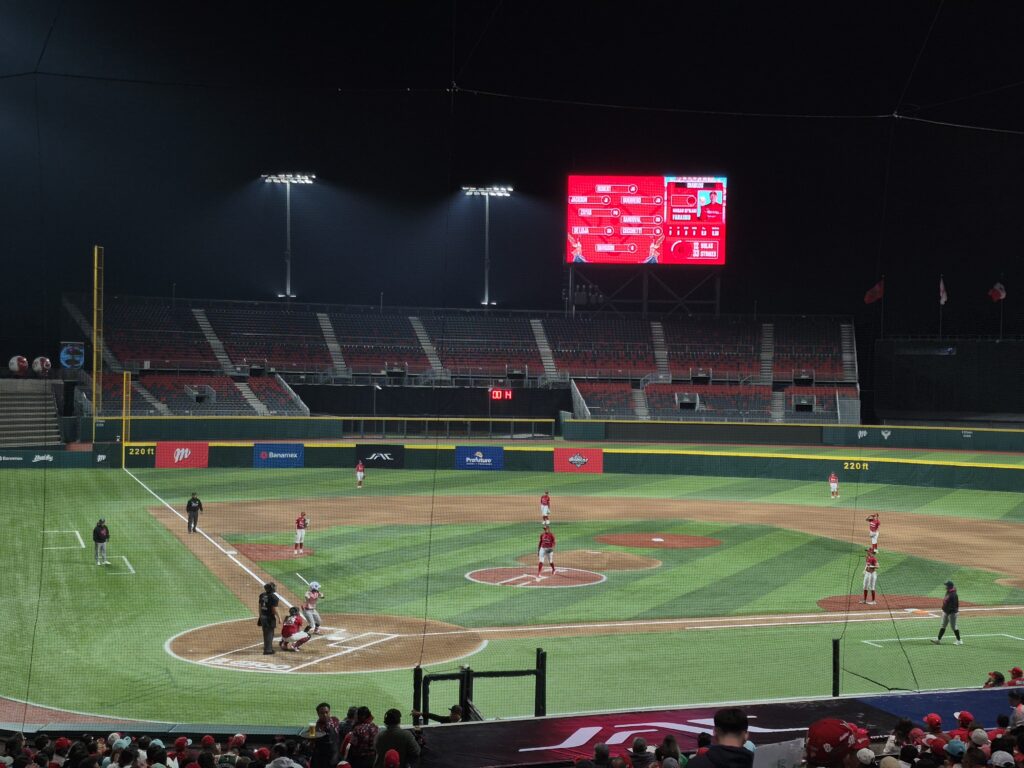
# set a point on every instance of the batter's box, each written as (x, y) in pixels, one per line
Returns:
(358, 642)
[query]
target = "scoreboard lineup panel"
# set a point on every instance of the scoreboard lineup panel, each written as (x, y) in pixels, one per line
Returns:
(646, 220)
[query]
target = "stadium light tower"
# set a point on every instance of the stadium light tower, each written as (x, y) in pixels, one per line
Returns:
(487, 193)
(288, 179)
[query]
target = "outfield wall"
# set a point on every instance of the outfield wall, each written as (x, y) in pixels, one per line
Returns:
(924, 438)
(803, 468)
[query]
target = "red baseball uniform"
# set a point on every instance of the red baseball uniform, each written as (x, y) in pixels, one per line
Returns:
(301, 523)
(291, 625)
(547, 540)
(874, 524)
(360, 467)
(833, 478)
(545, 500)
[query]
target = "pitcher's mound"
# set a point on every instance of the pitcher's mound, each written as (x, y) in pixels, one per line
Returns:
(598, 560)
(840, 603)
(657, 540)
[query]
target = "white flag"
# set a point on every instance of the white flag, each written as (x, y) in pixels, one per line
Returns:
(943, 298)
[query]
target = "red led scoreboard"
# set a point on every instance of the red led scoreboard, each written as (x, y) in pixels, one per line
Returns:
(646, 220)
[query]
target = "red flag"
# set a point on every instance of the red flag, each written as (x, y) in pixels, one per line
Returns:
(876, 292)
(943, 297)
(997, 292)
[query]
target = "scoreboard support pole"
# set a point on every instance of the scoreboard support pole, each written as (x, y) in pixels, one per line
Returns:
(704, 294)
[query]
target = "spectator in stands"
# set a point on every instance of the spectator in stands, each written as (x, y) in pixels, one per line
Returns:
(727, 751)
(900, 735)
(617, 762)
(908, 755)
(639, 755)
(205, 759)
(962, 730)
(1002, 724)
(670, 748)
(358, 746)
(156, 755)
(703, 742)
(326, 739)
(1001, 760)
(995, 680)
(1016, 699)
(888, 762)
(974, 758)
(602, 757)
(454, 715)
(933, 724)
(980, 740)
(955, 749)
(833, 743)
(396, 738)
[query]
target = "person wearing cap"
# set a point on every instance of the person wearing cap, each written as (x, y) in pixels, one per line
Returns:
(950, 610)
(309, 609)
(995, 680)
(727, 751)
(1001, 760)
(1016, 676)
(392, 759)
(156, 754)
(180, 755)
(395, 739)
(454, 715)
(955, 749)
(933, 723)
(268, 618)
(833, 743)
(546, 550)
(193, 507)
(638, 754)
(100, 537)
(1002, 725)
(963, 730)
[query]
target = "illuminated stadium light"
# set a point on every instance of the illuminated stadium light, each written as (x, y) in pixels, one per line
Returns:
(288, 179)
(487, 193)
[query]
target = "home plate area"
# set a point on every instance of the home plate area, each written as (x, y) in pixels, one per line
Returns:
(529, 578)
(347, 643)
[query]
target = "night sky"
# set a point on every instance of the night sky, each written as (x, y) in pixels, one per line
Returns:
(145, 126)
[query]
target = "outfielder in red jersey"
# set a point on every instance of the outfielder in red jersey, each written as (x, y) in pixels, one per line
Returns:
(833, 485)
(546, 549)
(545, 508)
(360, 473)
(301, 524)
(874, 523)
(292, 636)
(870, 576)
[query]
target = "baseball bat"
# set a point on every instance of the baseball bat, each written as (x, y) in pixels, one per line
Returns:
(303, 580)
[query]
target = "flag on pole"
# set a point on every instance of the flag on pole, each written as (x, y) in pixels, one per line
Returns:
(875, 292)
(997, 292)
(943, 298)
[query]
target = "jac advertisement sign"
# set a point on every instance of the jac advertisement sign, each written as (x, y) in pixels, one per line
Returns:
(579, 460)
(381, 456)
(646, 220)
(278, 455)
(182, 455)
(479, 457)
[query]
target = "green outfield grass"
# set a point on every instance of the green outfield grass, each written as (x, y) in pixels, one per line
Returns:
(109, 626)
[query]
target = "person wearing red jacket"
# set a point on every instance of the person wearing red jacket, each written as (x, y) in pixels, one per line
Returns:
(546, 550)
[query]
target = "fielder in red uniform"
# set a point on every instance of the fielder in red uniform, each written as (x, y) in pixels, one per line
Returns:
(292, 636)
(545, 508)
(833, 485)
(546, 549)
(874, 523)
(360, 473)
(870, 576)
(301, 524)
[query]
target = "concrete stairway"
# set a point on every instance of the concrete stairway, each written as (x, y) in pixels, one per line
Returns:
(250, 397)
(541, 337)
(640, 406)
(111, 362)
(660, 348)
(778, 407)
(427, 345)
(849, 350)
(211, 338)
(152, 402)
(337, 359)
(28, 415)
(767, 352)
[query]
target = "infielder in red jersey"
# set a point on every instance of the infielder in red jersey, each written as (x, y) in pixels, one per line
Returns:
(292, 636)
(301, 524)
(874, 523)
(546, 549)
(833, 485)
(360, 473)
(545, 508)
(870, 576)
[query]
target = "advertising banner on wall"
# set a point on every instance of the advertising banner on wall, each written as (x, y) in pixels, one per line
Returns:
(278, 455)
(579, 460)
(381, 455)
(479, 457)
(182, 455)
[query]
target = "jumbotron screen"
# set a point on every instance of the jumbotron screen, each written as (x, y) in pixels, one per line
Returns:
(646, 220)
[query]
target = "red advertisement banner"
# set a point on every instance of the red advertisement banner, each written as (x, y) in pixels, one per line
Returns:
(579, 460)
(182, 455)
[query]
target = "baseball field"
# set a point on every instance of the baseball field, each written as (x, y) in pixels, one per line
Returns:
(670, 589)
